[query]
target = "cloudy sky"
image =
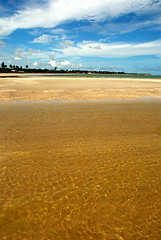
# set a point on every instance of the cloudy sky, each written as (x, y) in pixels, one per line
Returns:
(114, 35)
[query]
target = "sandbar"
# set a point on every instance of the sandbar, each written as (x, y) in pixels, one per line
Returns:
(76, 88)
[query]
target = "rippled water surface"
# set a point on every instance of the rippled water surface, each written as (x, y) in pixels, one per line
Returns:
(87, 170)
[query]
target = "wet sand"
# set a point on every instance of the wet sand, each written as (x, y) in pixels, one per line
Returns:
(80, 169)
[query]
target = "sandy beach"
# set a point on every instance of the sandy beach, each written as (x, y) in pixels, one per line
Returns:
(80, 169)
(51, 88)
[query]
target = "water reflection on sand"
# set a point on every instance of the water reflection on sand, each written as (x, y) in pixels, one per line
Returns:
(80, 170)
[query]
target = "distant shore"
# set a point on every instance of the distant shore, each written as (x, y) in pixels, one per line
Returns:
(79, 74)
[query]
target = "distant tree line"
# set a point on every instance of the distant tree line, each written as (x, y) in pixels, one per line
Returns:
(19, 69)
(12, 68)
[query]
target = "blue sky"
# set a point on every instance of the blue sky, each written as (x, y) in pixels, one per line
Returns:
(113, 35)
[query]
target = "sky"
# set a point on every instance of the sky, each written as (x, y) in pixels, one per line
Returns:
(110, 35)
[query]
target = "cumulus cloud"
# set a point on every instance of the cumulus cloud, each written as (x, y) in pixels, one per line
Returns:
(35, 64)
(86, 49)
(112, 50)
(66, 43)
(44, 38)
(40, 64)
(64, 64)
(22, 53)
(54, 12)
(17, 58)
(53, 63)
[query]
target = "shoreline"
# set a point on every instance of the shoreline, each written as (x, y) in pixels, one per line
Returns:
(89, 76)
(99, 101)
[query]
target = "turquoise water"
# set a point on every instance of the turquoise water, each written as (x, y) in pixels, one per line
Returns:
(96, 75)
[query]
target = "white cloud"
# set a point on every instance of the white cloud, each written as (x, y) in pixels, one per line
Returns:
(112, 50)
(17, 58)
(64, 64)
(66, 43)
(22, 53)
(44, 38)
(40, 64)
(55, 12)
(59, 31)
(84, 49)
(53, 63)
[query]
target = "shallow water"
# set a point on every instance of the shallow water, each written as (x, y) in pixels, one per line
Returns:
(95, 75)
(80, 170)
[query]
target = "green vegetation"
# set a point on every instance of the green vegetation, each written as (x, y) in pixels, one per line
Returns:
(19, 69)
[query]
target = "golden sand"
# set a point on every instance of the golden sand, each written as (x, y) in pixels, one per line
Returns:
(79, 170)
(48, 88)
